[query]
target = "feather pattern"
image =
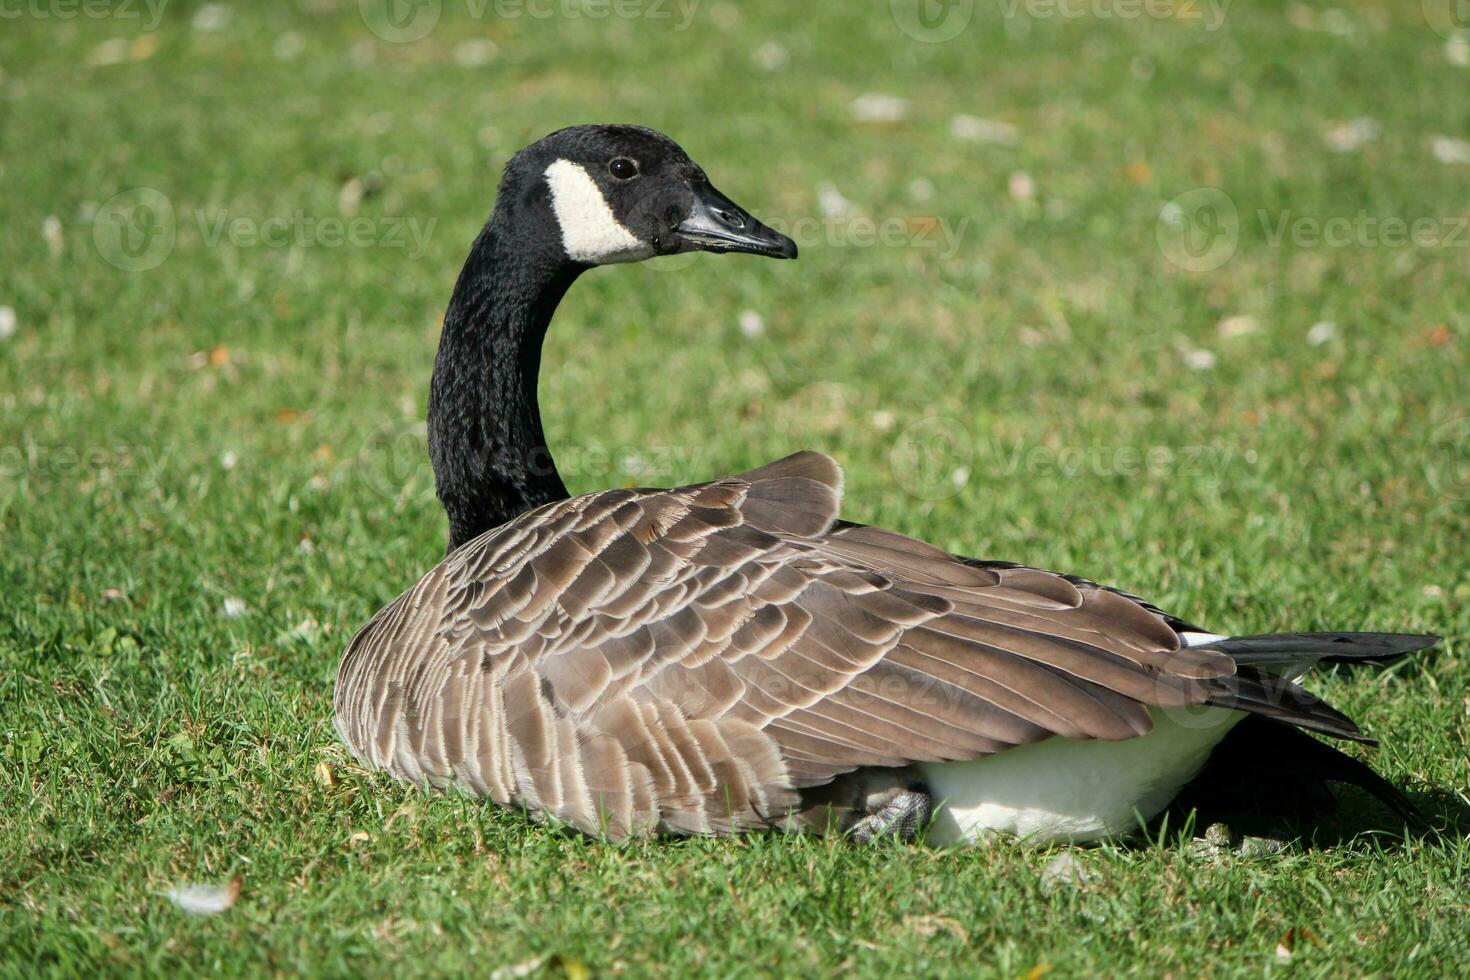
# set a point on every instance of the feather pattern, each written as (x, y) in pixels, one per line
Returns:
(706, 659)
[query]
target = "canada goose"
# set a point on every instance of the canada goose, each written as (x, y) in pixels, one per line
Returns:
(731, 656)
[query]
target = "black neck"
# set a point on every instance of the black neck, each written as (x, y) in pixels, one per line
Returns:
(491, 462)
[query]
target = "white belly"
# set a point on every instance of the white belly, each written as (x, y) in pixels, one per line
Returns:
(1068, 789)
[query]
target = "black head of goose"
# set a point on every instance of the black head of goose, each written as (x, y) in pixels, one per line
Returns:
(730, 656)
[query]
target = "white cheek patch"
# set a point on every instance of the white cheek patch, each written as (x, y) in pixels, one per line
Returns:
(589, 231)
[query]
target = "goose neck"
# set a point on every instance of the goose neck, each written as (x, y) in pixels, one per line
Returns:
(486, 441)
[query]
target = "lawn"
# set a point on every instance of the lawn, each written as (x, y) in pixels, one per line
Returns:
(1174, 295)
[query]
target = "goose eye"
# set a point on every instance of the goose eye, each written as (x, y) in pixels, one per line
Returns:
(623, 169)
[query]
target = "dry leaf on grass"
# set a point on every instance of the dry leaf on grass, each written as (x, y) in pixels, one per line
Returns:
(1437, 335)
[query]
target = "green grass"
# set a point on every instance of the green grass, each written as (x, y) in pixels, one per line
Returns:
(243, 421)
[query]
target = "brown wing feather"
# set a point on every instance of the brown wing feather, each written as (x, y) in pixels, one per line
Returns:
(690, 660)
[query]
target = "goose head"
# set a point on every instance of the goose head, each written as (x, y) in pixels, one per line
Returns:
(581, 197)
(626, 193)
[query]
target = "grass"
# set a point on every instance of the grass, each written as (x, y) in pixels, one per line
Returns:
(243, 421)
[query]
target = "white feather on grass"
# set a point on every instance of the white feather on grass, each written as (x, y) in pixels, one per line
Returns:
(205, 899)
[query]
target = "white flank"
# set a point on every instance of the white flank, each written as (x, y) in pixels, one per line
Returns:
(1067, 789)
(589, 231)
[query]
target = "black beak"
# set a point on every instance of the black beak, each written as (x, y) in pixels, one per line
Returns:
(718, 224)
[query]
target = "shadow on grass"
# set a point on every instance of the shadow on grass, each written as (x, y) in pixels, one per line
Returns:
(1348, 815)
(1269, 780)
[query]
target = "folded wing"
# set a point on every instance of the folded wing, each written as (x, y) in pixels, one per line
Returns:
(692, 659)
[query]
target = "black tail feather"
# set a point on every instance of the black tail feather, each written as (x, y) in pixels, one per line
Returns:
(1279, 699)
(1256, 687)
(1294, 649)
